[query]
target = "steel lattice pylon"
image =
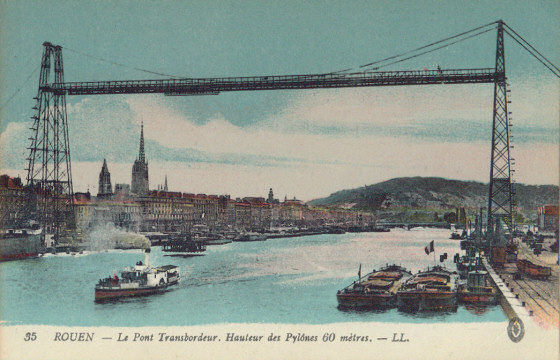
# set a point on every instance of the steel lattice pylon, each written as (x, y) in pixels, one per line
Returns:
(500, 198)
(49, 169)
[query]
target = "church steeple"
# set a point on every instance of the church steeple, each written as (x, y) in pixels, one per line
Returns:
(140, 183)
(142, 155)
(165, 185)
(105, 188)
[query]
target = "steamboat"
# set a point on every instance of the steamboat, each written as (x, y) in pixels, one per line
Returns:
(139, 280)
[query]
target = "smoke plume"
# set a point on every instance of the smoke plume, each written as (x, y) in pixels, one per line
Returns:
(107, 236)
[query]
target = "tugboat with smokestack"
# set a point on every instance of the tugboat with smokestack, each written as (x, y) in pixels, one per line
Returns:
(139, 280)
(478, 290)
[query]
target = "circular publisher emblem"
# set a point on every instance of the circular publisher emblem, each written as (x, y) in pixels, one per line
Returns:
(515, 330)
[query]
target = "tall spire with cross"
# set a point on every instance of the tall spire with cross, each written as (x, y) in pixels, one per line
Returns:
(140, 183)
(141, 154)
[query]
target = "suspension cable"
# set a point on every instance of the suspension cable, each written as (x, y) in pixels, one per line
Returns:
(123, 65)
(555, 72)
(526, 42)
(432, 50)
(422, 48)
(429, 45)
(20, 87)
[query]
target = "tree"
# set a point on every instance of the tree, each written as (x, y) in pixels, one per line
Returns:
(450, 217)
(519, 218)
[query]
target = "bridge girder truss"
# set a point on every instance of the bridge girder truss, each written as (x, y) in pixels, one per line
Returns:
(213, 86)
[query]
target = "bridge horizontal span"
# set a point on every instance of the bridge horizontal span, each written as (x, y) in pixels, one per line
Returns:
(213, 86)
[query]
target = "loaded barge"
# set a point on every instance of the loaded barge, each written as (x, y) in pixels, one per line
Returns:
(376, 290)
(432, 290)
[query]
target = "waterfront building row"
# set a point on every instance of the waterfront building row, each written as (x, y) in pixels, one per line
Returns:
(167, 211)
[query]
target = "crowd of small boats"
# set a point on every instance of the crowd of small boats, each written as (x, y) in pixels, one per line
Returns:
(199, 237)
(433, 289)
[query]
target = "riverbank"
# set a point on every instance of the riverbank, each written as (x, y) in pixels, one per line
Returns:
(539, 296)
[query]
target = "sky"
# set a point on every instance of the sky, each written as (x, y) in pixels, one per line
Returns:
(302, 143)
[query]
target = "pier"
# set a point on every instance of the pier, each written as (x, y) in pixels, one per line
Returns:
(534, 301)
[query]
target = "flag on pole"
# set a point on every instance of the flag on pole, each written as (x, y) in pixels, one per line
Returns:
(430, 248)
(360, 272)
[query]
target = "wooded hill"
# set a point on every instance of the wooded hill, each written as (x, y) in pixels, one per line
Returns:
(433, 192)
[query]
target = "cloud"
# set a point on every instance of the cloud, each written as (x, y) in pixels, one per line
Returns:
(13, 145)
(319, 142)
(423, 113)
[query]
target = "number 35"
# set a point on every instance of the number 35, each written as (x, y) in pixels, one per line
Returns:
(30, 336)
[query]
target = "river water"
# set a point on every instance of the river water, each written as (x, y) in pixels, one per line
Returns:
(290, 280)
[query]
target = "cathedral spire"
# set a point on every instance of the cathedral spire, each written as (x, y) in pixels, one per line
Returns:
(140, 183)
(141, 155)
(105, 188)
(165, 186)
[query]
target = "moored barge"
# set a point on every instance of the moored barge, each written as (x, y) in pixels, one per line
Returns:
(376, 290)
(432, 290)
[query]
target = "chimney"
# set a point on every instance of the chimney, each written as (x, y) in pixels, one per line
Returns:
(147, 259)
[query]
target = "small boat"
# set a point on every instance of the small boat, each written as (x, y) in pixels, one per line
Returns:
(250, 236)
(230, 234)
(201, 234)
(533, 270)
(376, 290)
(216, 239)
(184, 243)
(139, 280)
(380, 229)
(337, 230)
(477, 290)
(456, 236)
(432, 290)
